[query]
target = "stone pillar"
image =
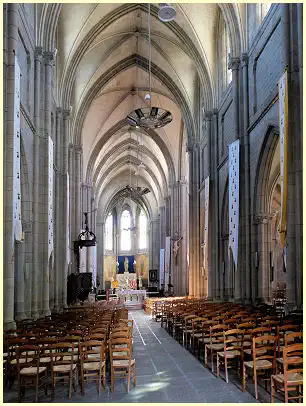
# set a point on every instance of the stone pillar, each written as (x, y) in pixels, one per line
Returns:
(194, 220)
(182, 254)
(211, 269)
(78, 214)
(245, 200)
(20, 285)
(59, 218)
(100, 254)
(235, 66)
(263, 224)
(36, 182)
(66, 118)
(215, 206)
(48, 59)
(8, 269)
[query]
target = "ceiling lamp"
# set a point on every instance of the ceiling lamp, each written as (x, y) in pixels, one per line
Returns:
(166, 12)
(149, 117)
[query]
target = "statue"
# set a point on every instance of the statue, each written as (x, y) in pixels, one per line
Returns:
(126, 265)
(176, 244)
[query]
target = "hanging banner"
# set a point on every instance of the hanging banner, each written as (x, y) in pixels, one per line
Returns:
(283, 135)
(50, 197)
(83, 259)
(17, 226)
(67, 219)
(206, 222)
(167, 262)
(92, 264)
(233, 192)
(161, 267)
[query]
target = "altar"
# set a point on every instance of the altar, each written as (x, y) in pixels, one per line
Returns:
(132, 298)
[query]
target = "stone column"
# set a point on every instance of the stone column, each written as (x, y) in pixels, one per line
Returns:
(48, 59)
(20, 285)
(100, 254)
(262, 220)
(78, 214)
(215, 204)
(36, 182)
(246, 264)
(59, 184)
(212, 270)
(235, 66)
(66, 117)
(8, 269)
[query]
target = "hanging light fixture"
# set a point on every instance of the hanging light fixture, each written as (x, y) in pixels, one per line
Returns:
(149, 117)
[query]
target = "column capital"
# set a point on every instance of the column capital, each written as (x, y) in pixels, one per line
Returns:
(208, 115)
(234, 63)
(244, 59)
(38, 53)
(263, 218)
(49, 58)
(66, 113)
(78, 149)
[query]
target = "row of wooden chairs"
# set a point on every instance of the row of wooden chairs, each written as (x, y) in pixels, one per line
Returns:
(94, 334)
(228, 332)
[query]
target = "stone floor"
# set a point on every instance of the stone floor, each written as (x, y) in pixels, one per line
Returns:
(166, 372)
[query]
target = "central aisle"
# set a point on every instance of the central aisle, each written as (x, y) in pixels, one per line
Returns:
(166, 372)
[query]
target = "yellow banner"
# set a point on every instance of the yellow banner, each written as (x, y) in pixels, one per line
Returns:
(283, 135)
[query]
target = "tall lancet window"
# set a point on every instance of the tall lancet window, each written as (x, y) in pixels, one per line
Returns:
(109, 233)
(125, 231)
(142, 230)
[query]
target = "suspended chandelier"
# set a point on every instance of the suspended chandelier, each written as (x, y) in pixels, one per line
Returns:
(149, 117)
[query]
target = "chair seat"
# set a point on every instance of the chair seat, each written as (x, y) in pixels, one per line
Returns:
(206, 340)
(91, 366)
(68, 358)
(117, 354)
(21, 361)
(123, 363)
(230, 354)
(45, 359)
(32, 370)
(63, 368)
(93, 356)
(215, 347)
(293, 378)
(258, 352)
(293, 359)
(120, 345)
(197, 335)
(5, 354)
(260, 364)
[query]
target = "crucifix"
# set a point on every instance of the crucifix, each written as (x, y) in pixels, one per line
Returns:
(176, 245)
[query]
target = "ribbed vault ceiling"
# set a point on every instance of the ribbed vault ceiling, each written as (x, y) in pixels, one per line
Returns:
(102, 72)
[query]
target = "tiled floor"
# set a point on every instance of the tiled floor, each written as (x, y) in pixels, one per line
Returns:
(166, 372)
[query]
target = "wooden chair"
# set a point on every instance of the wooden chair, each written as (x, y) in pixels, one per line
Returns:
(263, 359)
(63, 366)
(92, 355)
(216, 344)
(29, 371)
(232, 349)
(121, 362)
(290, 338)
(292, 378)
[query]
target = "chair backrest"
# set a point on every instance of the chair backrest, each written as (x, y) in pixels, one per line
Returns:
(27, 355)
(233, 340)
(120, 349)
(259, 331)
(62, 353)
(264, 347)
(246, 325)
(96, 336)
(293, 359)
(89, 350)
(293, 338)
(216, 333)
